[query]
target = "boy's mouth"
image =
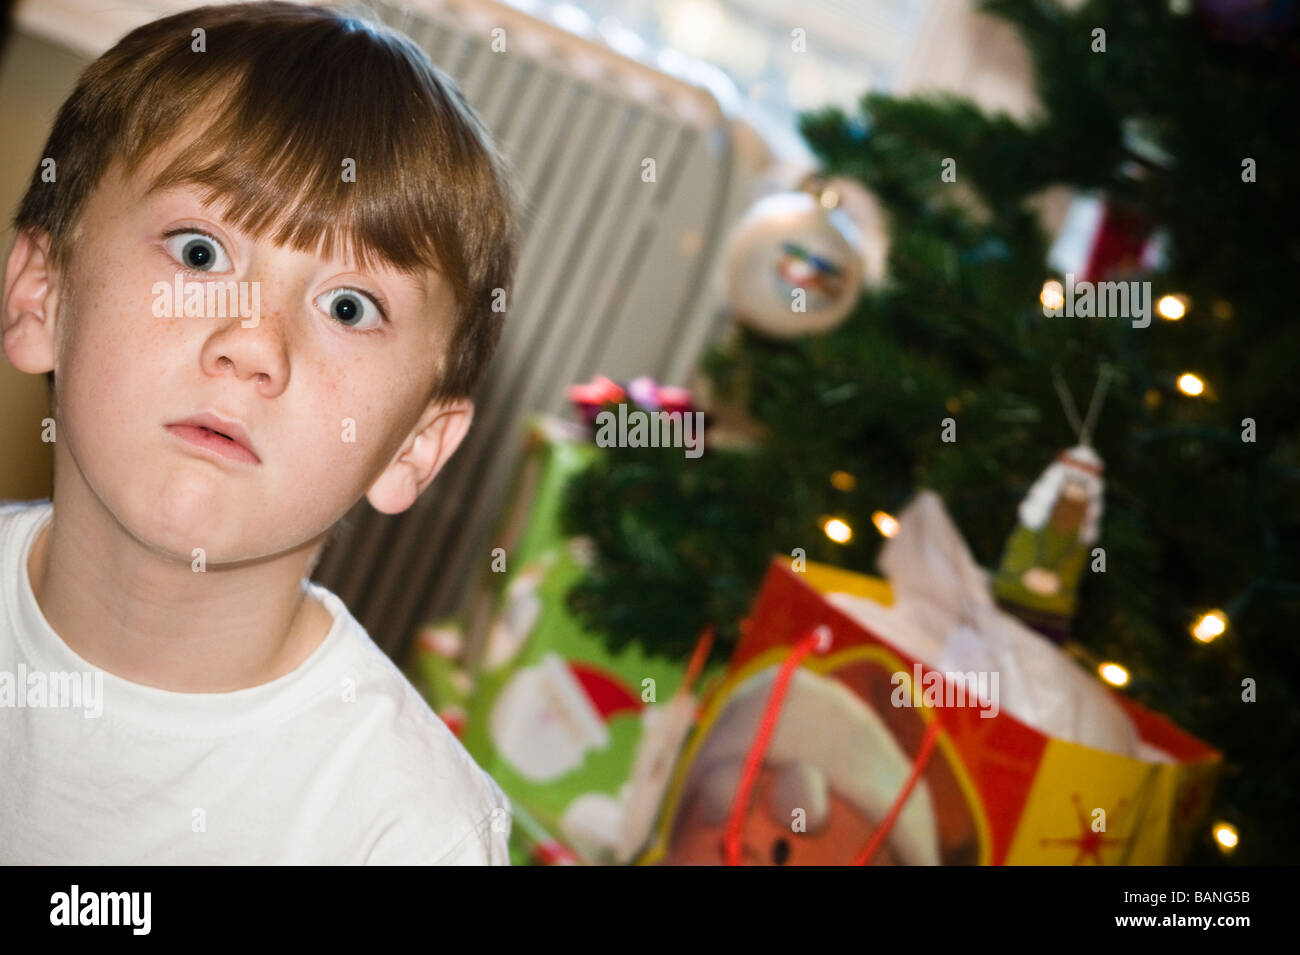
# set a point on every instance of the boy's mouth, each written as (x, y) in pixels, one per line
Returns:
(227, 438)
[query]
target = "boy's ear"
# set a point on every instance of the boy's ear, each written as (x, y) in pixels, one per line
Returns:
(427, 448)
(31, 302)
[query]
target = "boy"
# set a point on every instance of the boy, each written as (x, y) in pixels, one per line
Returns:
(177, 691)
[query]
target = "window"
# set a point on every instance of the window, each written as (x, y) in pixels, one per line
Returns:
(746, 51)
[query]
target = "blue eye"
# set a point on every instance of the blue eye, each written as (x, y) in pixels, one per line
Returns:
(352, 308)
(197, 251)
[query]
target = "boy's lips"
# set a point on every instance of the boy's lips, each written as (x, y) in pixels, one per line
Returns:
(227, 438)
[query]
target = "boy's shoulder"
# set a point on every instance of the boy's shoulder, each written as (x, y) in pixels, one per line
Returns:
(432, 802)
(13, 509)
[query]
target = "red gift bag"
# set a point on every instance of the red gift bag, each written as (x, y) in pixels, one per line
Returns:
(848, 751)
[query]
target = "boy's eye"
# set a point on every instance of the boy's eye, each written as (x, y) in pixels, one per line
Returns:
(198, 251)
(351, 308)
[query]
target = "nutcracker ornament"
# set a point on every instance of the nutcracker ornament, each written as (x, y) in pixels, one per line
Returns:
(1059, 521)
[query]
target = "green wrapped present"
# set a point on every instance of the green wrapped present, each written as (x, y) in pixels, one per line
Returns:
(580, 739)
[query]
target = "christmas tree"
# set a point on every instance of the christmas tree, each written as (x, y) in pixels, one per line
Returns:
(949, 375)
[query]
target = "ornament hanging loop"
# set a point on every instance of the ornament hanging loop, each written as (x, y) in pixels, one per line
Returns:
(1104, 374)
(816, 184)
(1083, 426)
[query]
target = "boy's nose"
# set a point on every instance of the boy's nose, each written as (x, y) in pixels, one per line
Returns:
(252, 349)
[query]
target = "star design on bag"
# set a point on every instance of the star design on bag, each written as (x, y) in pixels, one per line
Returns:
(1090, 843)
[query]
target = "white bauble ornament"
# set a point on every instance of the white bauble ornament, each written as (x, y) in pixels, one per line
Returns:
(792, 266)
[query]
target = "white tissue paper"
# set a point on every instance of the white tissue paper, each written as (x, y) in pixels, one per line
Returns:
(944, 616)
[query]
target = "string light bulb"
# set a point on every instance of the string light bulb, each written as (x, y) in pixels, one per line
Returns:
(1113, 673)
(885, 523)
(1172, 307)
(1211, 625)
(837, 530)
(1053, 294)
(843, 481)
(1225, 834)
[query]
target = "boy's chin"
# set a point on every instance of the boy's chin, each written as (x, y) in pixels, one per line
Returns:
(218, 537)
(201, 542)
(193, 529)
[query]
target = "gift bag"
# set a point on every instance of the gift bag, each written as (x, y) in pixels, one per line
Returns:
(942, 732)
(569, 730)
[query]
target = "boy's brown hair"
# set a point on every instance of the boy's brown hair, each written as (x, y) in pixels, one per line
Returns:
(292, 92)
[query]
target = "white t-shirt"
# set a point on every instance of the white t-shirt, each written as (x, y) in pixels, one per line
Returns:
(340, 761)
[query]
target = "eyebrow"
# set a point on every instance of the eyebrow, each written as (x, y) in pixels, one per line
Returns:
(156, 189)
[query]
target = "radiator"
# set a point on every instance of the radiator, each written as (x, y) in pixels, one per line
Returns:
(616, 277)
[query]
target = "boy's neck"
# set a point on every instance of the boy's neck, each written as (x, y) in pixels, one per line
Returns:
(156, 622)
